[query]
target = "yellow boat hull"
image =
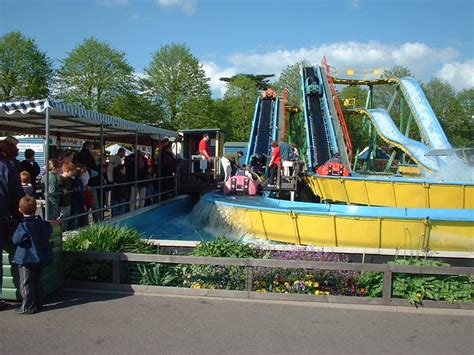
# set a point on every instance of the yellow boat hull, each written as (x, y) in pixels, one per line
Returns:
(355, 232)
(392, 193)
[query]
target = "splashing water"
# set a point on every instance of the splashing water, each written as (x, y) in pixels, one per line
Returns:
(452, 171)
(215, 220)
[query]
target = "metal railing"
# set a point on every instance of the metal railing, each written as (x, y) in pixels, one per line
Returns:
(105, 188)
(250, 264)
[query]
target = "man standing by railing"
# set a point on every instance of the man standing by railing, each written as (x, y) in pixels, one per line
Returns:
(205, 151)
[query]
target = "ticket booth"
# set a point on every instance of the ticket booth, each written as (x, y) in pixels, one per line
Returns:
(198, 172)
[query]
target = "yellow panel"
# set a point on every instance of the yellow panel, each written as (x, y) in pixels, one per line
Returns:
(313, 185)
(356, 192)
(316, 230)
(380, 193)
(257, 227)
(324, 188)
(409, 170)
(455, 236)
(469, 197)
(350, 71)
(376, 71)
(410, 195)
(335, 189)
(279, 227)
(404, 234)
(446, 196)
(357, 232)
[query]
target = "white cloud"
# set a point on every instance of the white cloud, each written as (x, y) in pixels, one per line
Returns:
(422, 60)
(214, 73)
(187, 6)
(112, 2)
(460, 75)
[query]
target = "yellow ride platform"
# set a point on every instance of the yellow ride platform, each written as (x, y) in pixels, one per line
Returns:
(392, 192)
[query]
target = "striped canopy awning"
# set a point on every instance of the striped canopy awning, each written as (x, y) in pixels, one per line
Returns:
(66, 120)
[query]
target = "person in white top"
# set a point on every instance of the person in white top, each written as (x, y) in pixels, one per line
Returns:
(114, 161)
(177, 150)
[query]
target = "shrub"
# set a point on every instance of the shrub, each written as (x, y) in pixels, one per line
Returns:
(109, 238)
(203, 276)
(225, 248)
(416, 288)
(102, 238)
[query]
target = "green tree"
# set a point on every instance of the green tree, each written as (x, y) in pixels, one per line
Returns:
(382, 94)
(290, 79)
(357, 124)
(239, 102)
(176, 79)
(466, 99)
(453, 117)
(25, 71)
(261, 80)
(135, 106)
(94, 75)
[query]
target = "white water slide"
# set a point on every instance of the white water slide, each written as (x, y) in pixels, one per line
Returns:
(431, 132)
(390, 133)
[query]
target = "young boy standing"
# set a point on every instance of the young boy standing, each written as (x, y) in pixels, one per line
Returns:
(33, 253)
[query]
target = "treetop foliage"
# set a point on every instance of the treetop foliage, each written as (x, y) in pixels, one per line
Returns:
(174, 91)
(25, 71)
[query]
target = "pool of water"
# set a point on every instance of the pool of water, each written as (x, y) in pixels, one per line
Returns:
(180, 219)
(172, 220)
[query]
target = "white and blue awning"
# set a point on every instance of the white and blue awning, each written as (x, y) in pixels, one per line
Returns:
(71, 121)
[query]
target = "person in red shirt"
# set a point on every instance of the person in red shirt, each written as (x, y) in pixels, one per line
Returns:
(275, 162)
(204, 148)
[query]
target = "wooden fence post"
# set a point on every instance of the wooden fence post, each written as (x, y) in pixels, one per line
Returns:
(387, 286)
(116, 271)
(249, 278)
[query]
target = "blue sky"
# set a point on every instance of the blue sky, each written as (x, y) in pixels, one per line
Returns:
(431, 37)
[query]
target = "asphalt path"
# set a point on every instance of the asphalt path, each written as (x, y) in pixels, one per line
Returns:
(101, 323)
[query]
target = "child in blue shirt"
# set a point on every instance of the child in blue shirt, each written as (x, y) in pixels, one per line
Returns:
(33, 253)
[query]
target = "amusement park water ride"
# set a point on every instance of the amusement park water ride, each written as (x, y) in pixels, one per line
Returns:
(416, 211)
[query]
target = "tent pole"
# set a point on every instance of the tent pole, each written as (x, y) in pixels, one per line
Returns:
(133, 198)
(159, 170)
(46, 158)
(101, 171)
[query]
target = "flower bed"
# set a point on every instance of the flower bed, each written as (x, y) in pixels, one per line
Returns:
(413, 287)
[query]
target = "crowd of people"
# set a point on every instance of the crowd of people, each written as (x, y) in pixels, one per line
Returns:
(73, 180)
(73, 183)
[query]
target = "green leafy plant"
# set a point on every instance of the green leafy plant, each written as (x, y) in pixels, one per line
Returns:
(225, 248)
(204, 276)
(109, 238)
(156, 274)
(102, 238)
(417, 288)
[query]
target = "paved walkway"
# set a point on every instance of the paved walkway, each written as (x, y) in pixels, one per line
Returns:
(100, 323)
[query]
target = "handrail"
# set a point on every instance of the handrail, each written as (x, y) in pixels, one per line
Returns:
(340, 114)
(102, 187)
